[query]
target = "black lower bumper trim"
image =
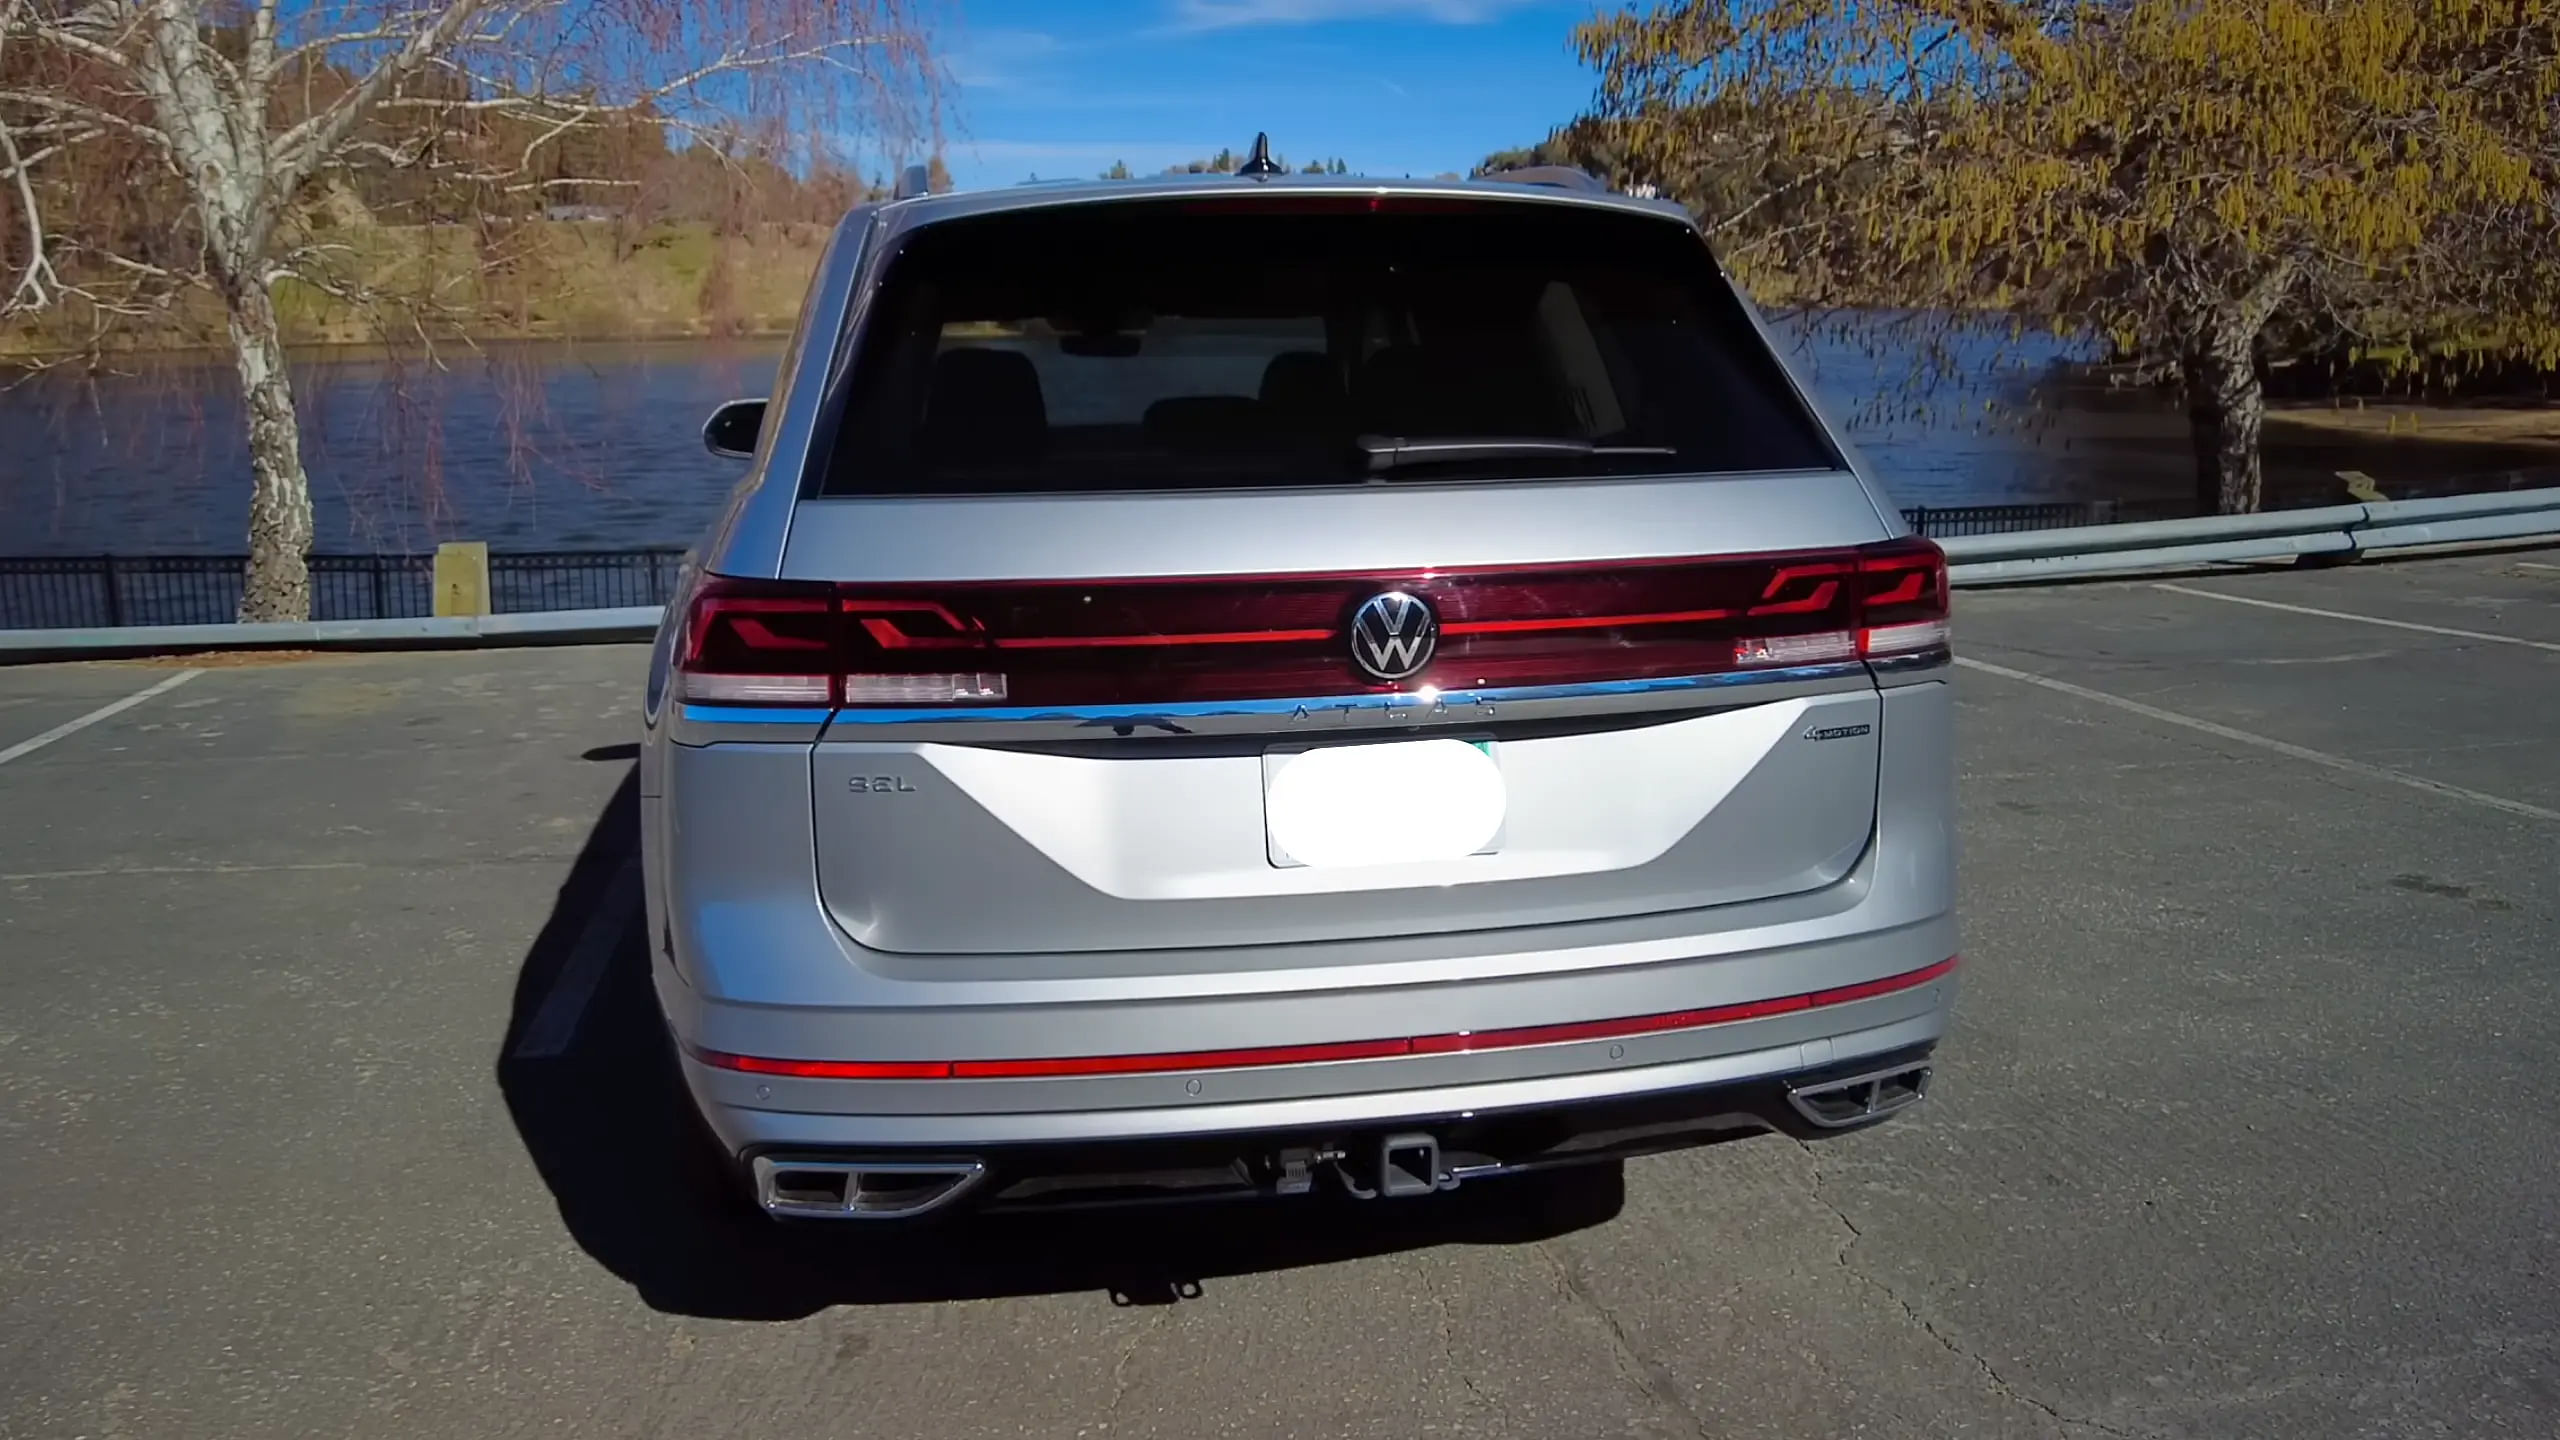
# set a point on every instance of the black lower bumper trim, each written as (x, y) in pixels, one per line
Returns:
(1470, 1146)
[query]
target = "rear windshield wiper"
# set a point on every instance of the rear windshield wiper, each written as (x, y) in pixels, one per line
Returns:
(1394, 452)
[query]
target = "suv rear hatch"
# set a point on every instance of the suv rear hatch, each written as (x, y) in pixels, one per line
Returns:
(1276, 568)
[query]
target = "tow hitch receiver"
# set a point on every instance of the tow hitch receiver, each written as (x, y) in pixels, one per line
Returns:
(1400, 1165)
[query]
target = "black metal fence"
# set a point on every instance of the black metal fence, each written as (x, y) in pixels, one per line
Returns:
(580, 579)
(47, 592)
(1941, 521)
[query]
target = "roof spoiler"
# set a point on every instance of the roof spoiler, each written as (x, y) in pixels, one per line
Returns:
(1561, 177)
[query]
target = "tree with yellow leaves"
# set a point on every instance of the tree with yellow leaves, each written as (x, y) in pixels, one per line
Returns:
(2203, 182)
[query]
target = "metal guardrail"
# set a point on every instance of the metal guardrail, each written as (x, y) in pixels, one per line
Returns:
(104, 591)
(2341, 531)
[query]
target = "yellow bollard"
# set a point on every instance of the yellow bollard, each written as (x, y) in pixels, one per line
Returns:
(462, 578)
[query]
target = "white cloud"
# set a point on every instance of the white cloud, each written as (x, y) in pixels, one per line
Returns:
(1232, 14)
(999, 59)
(1136, 152)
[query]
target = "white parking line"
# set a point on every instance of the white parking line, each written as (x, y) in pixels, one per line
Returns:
(555, 1022)
(2360, 619)
(71, 727)
(100, 871)
(2263, 742)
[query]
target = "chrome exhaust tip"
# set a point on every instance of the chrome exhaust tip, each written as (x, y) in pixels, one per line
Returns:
(860, 1189)
(1857, 1099)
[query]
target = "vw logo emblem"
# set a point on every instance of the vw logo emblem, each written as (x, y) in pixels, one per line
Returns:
(1393, 635)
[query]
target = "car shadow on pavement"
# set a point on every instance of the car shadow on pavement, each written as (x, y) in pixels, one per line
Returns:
(606, 1119)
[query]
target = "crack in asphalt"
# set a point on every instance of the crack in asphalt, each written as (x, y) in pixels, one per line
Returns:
(1999, 1383)
(1120, 1367)
(1449, 1336)
(1641, 1370)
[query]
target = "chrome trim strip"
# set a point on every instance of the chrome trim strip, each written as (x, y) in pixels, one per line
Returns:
(751, 715)
(1937, 657)
(1398, 705)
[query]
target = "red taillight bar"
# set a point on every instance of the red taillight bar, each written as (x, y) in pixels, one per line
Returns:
(1115, 642)
(1454, 1043)
(1208, 638)
(1579, 622)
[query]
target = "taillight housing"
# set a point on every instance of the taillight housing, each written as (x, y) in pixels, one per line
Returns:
(753, 643)
(1278, 637)
(1902, 599)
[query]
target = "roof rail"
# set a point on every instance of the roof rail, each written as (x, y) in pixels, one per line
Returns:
(1561, 177)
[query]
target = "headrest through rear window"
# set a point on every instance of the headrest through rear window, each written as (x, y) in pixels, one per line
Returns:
(984, 405)
(1303, 393)
(1206, 422)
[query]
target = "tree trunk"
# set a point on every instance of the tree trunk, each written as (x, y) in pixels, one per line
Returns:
(277, 585)
(2226, 410)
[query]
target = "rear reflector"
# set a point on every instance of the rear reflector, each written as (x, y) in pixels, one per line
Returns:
(1910, 638)
(717, 689)
(922, 689)
(1453, 1043)
(1796, 649)
(1278, 637)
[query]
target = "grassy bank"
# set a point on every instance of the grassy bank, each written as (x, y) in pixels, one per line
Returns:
(535, 281)
(2519, 424)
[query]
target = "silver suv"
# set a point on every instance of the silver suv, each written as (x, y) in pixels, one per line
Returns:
(1249, 684)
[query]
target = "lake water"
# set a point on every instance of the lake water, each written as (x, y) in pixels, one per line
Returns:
(596, 446)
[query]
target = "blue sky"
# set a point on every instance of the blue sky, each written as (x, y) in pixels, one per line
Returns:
(1064, 87)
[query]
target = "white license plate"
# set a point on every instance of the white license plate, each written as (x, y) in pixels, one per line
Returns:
(1389, 803)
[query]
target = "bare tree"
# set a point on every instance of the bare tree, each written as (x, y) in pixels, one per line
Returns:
(153, 150)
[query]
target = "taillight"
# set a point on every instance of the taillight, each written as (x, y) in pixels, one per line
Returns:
(1902, 599)
(758, 643)
(1207, 639)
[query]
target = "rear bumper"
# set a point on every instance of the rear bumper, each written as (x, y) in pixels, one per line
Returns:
(1441, 1143)
(754, 1113)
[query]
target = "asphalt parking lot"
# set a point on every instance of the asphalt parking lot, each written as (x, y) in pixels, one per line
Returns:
(2250, 1123)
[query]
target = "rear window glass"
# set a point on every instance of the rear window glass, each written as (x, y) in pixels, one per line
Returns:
(1187, 345)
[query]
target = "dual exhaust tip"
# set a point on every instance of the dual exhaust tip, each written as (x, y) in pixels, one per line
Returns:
(861, 1189)
(1859, 1099)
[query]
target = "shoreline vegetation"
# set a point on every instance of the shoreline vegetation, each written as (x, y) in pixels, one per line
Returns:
(593, 282)
(548, 280)
(600, 280)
